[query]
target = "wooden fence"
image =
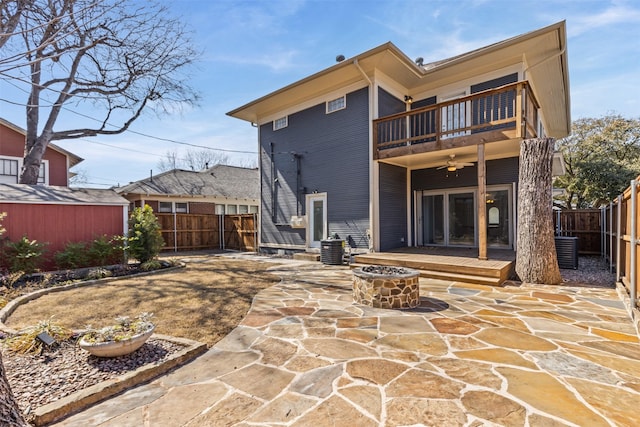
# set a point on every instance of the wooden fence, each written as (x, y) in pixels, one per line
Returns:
(621, 219)
(189, 232)
(585, 224)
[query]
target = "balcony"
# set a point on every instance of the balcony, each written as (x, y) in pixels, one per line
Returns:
(509, 112)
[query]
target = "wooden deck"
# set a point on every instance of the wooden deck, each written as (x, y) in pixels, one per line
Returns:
(459, 265)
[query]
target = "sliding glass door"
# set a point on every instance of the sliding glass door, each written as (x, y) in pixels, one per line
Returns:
(450, 217)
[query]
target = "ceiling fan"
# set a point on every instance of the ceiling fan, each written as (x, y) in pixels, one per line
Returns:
(452, 165)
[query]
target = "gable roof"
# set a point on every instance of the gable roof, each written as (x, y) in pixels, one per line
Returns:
(220, 180)
(73, 158)
(49, 194)
(542, 50)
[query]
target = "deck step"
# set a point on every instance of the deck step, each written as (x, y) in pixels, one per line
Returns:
(452, 277)
(306, 256)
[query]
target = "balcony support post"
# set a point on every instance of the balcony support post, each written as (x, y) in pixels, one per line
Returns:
(482, 204)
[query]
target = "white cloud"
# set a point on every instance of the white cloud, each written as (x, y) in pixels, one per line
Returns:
(618, 13)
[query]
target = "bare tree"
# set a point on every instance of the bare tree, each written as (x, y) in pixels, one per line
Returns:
(536, 260)
(10, 13)
(194, 160)
(117, 57)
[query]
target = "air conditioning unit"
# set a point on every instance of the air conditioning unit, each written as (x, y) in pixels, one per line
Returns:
(298, 221)
(567, 252)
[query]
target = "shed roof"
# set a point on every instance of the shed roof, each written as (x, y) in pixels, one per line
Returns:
(220, 180)
(48, 194)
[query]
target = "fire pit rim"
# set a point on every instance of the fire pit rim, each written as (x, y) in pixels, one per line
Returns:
(406, 272)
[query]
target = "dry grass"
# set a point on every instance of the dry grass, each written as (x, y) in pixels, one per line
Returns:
(203, 301)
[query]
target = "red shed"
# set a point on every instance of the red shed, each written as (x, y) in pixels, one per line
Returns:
(58, 215)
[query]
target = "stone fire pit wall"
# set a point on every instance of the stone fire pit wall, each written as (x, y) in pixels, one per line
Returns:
(386, 287)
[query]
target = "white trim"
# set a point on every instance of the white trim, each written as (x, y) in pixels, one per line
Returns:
(20, 161)
(280, 120)
(309, 198)
(321, 99)
(60, 202)
(344, 104)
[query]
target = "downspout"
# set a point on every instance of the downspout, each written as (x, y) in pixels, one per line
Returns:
(373, 170)
(633, 274)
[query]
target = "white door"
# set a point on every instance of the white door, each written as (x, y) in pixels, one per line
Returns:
(317, 219)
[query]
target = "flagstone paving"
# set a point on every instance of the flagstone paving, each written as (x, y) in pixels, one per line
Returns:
(469, 355)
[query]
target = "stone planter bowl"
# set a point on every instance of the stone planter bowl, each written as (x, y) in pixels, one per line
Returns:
(386, 287)
(116, 348)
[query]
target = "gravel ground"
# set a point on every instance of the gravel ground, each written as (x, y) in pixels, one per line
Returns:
(592, 271)
(38, 380)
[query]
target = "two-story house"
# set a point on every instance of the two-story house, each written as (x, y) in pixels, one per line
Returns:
(56, 162)
(386, 151)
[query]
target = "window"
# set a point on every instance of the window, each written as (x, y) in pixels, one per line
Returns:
(336, 104)
(8, 171)
(243, 209)
(219, 209)
(182, 208)
(165, 207)
(280, 123)
(232, 209)
(253, 209)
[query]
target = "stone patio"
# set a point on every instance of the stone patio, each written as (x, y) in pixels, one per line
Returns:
(469, 355)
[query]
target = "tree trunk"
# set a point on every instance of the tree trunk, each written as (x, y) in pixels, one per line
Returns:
(536, 260)
(10, 414)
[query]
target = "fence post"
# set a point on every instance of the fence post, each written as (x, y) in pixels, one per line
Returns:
(618, 236)
(611, 237)
(175, 233)
(634, 241)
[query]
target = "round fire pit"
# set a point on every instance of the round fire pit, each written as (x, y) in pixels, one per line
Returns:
(382, 286)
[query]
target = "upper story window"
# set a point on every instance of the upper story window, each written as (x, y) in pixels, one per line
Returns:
(280, 123)
(336, 104)
(10, 170)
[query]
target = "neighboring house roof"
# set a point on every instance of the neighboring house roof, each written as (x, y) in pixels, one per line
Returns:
(220, 180)
(543, 51)
(73, 159)
(47, 194)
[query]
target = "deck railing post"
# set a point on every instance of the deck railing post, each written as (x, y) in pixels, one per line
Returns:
(634, 242)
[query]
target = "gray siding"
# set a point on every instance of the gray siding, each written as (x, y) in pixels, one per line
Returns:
(389, 104)
(333, 151)
(501, 171)
(393, 207)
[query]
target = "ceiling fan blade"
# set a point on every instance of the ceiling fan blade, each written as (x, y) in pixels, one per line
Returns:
(466, 164)
(442, 167)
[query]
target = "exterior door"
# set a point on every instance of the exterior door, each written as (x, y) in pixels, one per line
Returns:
(499, 225)
(317, 219)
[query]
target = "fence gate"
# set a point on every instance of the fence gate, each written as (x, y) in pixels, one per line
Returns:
(189, 232)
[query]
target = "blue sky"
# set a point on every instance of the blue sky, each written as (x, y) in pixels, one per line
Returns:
(251, 48)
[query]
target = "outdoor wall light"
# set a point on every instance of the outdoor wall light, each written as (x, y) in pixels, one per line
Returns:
(408, 99)
(451, 168)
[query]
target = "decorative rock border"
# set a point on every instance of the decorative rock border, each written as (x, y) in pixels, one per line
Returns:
(82, 399)
(386, 287)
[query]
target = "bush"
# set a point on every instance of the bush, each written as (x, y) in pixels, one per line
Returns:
(74, 255)
(26, 341)
(145, 239)
(25, 255)
(105, 251)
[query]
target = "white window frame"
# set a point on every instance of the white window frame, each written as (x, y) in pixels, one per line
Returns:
(160, 209)
(43, 174)
(253, 209)
(336, 104)
(230, 208)
(186, 207)
(281, 123)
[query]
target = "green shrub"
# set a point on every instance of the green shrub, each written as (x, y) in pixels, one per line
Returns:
(105, 251)
(145, 239)
(74, 255)
(150, 265)
(25, 255)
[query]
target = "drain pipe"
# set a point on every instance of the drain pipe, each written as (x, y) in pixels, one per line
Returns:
(373, 172)
(634, 243)
(618, 237)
